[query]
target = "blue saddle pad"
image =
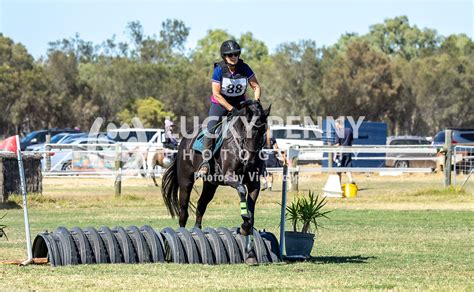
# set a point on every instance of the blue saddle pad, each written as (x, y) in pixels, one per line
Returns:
(198, 143)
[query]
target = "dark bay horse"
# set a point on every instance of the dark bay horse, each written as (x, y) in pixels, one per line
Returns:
(237, 165)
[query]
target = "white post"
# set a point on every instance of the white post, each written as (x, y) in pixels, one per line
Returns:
(283, 211)
(25, 206)
(455, 156)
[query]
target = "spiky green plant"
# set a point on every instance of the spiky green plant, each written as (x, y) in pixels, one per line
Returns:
(2, 228)
(306, 211)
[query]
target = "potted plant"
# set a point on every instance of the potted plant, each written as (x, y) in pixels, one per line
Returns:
(304, 212)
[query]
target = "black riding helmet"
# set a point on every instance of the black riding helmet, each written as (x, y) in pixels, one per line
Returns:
(229, 47)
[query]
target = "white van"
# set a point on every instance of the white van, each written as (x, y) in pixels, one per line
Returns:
(137, 136)
(140, 143)
(302, 136)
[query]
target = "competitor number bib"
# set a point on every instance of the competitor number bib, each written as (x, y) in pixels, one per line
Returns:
(233, 87)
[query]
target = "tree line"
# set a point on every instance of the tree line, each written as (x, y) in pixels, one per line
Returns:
(416, 80)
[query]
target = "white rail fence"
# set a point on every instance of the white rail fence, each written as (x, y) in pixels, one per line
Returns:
(463, 164)
(117, 161)
(101, 159)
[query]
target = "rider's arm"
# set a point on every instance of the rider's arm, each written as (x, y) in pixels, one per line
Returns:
(216, 92)
(256, 87)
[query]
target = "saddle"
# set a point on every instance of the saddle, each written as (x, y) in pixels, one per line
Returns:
(220, 131)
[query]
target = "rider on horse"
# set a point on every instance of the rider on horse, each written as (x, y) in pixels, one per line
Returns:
(229, 84)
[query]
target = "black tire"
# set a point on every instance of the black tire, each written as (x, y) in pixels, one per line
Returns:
(67, 166)
(43, 247)
(271, 243)
(56, 249)
(189, 245)
(240, 240)
(98, 246)
(260, 249)
(173, 248)
(402, 164)
(69, 250)
(141, 247)
(204, 248)
(83, 246)
(231, 245)
(155, 243)
(111, 245)
(125, 244)
(217, 246)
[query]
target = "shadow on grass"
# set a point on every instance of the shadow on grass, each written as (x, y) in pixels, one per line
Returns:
(358, 259)
(9, 205)
(362, 189)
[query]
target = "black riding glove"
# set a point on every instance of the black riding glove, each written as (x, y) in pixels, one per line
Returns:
(233, 112)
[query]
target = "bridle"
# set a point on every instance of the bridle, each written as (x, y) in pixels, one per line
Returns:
(241, 144)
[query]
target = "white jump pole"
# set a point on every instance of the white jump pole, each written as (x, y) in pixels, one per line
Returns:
(25, 206)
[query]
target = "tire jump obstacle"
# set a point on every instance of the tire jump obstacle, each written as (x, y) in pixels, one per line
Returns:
(145, 245)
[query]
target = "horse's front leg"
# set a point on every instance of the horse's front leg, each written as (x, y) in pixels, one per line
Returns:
(234, 181)
(253, 187)
(247, 207)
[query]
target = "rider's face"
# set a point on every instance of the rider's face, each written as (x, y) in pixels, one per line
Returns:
(232, 59)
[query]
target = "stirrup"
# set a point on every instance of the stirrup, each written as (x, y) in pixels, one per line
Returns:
(204, 168)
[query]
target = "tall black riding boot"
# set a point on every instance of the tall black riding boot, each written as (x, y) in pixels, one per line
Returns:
(206, 156)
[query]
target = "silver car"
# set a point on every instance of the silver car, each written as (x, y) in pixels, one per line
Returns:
(62, 156)
(404, 160)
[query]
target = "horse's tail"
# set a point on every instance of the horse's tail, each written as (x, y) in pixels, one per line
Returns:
(169, 188)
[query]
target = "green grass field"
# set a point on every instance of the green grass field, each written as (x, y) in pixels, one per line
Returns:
(400, 232)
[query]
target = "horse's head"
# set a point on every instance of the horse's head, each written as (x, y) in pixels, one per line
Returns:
(251, 127)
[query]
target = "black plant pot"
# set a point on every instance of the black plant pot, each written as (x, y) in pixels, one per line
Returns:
(298, 244)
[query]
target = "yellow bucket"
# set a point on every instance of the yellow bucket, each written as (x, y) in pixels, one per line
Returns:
(349, 190)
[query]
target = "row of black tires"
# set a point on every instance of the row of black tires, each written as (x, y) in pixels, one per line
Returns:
(145, 245)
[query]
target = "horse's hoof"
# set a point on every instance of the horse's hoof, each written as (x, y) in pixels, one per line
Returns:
(244, 230)
(251, 261)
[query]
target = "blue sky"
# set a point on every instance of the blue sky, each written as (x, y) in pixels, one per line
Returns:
(35, 23)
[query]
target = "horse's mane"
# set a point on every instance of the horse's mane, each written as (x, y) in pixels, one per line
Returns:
(255, 109)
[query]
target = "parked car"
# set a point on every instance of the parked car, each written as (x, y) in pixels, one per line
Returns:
(61, 159)
(464, 155)
(460, 136)
(134, 136)
(404, 160)
(71, 137)
(302, 136)
(58, 138)
(39, 136)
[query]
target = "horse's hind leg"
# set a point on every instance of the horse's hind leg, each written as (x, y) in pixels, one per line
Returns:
(152, 174)
(185, 188)
(208, 191)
